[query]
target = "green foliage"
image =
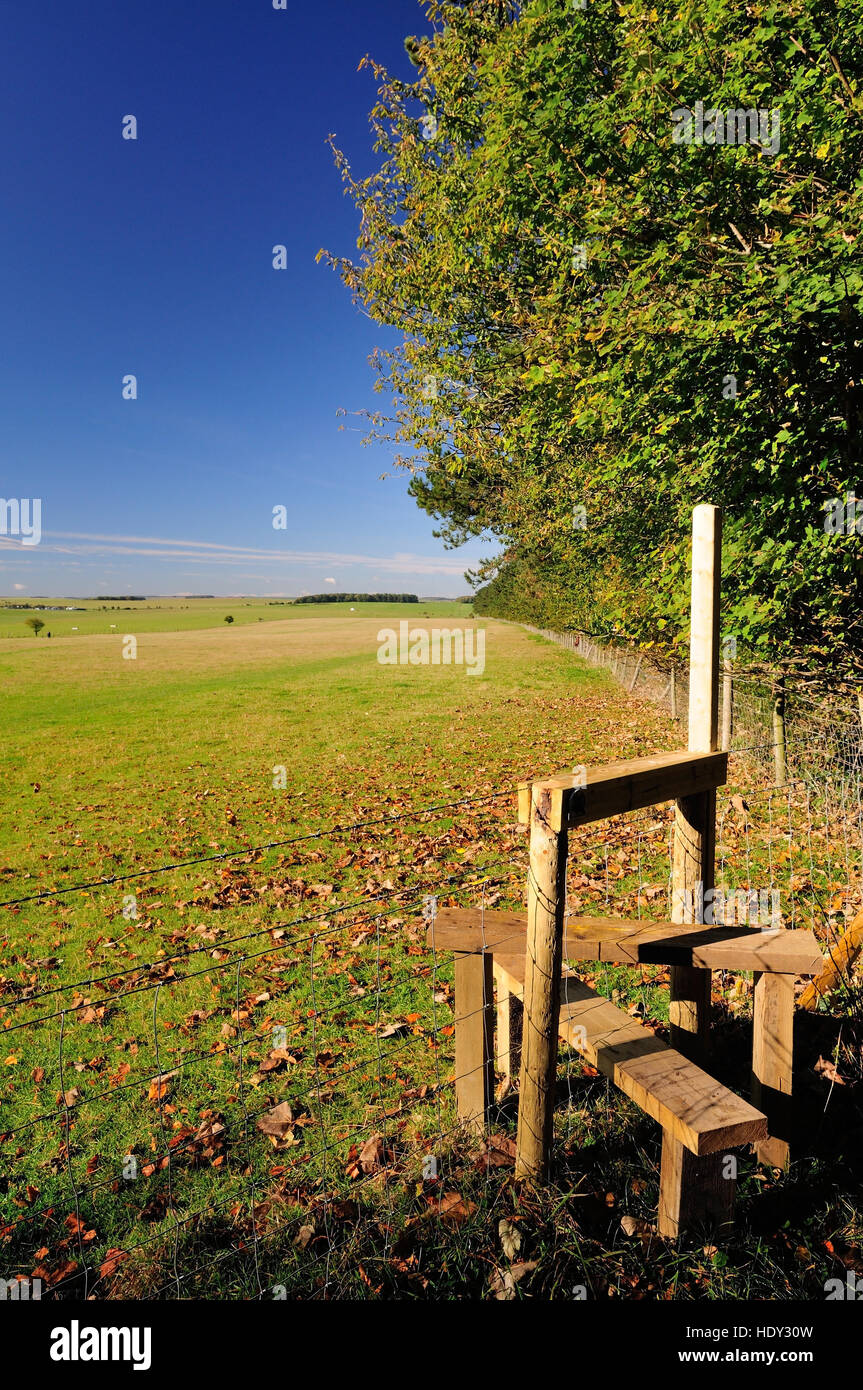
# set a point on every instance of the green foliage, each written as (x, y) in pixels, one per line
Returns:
(36, 624)
(532, 377)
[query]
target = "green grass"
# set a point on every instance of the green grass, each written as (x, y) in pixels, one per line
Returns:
(111, 766)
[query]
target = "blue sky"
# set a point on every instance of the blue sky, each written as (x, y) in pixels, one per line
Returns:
(153, 257)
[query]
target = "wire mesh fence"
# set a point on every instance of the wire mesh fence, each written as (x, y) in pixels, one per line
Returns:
(822, 736)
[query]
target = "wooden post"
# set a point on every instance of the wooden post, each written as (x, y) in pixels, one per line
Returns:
(474, 1067)
(772, 1047)
(543, 962)
(695, 816)
(780, 770)
(694, 1192)
(727, 704)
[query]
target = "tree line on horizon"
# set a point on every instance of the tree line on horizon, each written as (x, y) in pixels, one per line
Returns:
(357, 598)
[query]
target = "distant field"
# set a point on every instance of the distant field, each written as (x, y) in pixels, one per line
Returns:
(180, 615)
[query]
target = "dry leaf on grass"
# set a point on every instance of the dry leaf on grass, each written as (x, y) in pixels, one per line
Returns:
(503, 1281)
(453, 1207)
(372, 1154)
(510, 1238)
(278, 1124)
(636, 1226)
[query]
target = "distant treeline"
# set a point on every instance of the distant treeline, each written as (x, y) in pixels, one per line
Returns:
(357, 598)
(120, 598)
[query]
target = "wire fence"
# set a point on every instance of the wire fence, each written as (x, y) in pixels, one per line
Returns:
(822, 735)
(262, 1110)
(248, 1091)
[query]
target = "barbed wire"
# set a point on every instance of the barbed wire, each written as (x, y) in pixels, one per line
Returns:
(326, 832)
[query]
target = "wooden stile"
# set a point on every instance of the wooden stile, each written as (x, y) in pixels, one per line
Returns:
(692, 1108)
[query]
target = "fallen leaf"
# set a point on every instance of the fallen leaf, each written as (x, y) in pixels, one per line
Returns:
(510, 1238)
(372, 1154)
(827, 1069)
(277, 1123)
(503, 1281)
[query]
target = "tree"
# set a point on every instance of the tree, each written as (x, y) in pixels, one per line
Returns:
(601, 305)
(36, 624)
(229, 619)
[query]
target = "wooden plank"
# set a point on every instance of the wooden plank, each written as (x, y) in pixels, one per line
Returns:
(772, 1048)
(474, 1001)
(471, 929)
(622, 942)
(694, 1108)
(840, 959)
(546, 896)
(614, 788)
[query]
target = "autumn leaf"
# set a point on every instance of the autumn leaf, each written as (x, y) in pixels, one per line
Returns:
(510, 1238)
(503, 1281)
(827, 1069)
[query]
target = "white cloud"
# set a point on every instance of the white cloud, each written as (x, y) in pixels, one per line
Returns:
(329, 581)
(214, 553)
(19, 587)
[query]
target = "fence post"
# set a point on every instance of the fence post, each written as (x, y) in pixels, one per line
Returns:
(695, 816)
(727, 704)
(474, 1065)
(692, 1188)
(546, 889)
(780, 769)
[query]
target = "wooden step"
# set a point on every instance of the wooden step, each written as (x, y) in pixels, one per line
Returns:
(705, 1116)
(621, 942)
(613, 788)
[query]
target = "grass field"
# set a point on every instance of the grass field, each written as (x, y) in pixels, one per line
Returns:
(131, 1108)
